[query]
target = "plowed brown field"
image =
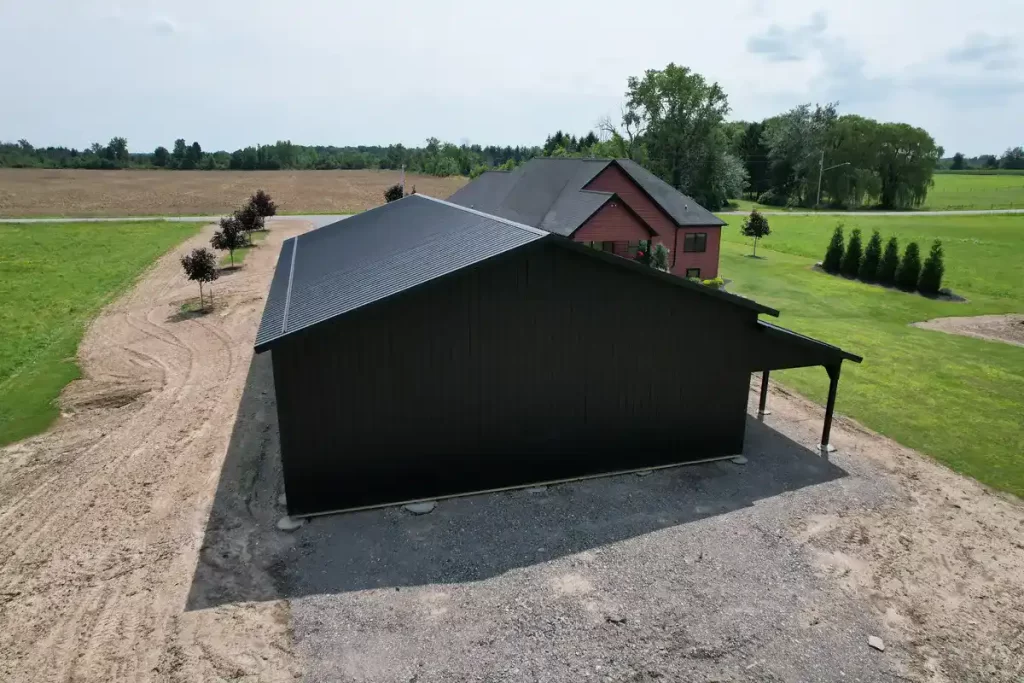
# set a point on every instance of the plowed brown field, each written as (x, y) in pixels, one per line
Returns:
(44, 192)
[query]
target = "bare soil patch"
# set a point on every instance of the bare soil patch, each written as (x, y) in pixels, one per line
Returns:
(1003, 328)
(943, 566)
(62, 192)
(103, 516)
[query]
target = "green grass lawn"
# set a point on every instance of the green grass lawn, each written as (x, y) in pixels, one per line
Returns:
(54, 278)
(240, 254)
(958, 399)
(951, 192)
(974, 191)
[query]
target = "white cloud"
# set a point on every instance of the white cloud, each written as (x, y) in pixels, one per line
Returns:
(163, 26)
(249, 71)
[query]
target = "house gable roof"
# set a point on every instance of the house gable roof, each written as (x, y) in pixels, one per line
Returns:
(682, 209)
(549, 193)
(544, 192)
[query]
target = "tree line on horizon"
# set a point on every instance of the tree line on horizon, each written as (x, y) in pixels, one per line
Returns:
(434, 158)
(673, 123)
(1011, 160)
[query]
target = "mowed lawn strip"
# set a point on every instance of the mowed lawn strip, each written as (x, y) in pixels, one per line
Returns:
(54, 278)
(955, 398)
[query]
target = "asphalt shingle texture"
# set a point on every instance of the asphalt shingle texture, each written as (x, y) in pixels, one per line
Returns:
(548, 193)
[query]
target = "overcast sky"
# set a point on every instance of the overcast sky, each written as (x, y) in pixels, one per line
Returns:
(234, 72)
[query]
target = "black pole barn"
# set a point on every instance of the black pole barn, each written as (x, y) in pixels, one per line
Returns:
(423, 349)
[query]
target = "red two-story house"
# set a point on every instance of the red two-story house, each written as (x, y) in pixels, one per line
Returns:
(611, 204)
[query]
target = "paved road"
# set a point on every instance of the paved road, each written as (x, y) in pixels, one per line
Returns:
(326, 219)
(971, 212)
(317, 220)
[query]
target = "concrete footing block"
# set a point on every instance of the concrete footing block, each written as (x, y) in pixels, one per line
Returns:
(643, 473)
(762, 414)
(287, 523)
(420, 508)
(826, 448)
(739, 460)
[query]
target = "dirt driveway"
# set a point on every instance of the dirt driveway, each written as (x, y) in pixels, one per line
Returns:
(138, 544)
(103, 516)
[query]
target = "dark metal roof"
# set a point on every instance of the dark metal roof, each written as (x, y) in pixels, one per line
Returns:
(683, 210)
(548, 193)
(373, 255)
(809, 342)
(543, 192)
(487, 191)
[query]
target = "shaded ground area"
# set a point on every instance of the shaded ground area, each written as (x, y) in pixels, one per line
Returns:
(779, 569)
(26, 192)
(1003, 328)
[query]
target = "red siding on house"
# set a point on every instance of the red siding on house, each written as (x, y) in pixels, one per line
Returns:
(614, 179)
(707, 260)
(613, 222)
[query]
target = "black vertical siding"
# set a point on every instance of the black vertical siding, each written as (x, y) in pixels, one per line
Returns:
(540, 364)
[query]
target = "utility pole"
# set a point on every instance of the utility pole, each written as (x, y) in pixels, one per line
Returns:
(821, 172)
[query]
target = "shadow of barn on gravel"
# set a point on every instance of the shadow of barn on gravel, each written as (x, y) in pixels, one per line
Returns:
(244, 558)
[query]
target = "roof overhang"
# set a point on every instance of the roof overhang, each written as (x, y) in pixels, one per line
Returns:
(668, 278)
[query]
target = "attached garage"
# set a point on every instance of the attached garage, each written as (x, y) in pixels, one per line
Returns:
(423, 349)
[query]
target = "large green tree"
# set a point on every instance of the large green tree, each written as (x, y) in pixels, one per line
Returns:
(796, 141)
(752, 151)
(679, 116)
(905, 162)
(117, 150)
(1012, 158)
(161, 156)
(178, 155)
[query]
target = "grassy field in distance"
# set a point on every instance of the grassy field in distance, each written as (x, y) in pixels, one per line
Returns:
(48, 193)
(54, 278)
(955, 398)
(951, 192)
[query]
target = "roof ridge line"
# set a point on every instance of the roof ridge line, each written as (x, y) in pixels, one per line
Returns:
(288, 292)
(521, 226)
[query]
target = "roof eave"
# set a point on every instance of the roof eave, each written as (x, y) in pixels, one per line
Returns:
(734, 299)
(790, 335)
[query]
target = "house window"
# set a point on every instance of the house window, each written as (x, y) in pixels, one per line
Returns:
(693, 272)
(601, 246)
(632, 248)
(695, 241)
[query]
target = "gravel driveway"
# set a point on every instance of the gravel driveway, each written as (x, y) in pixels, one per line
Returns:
(775, 570)
(684, 574)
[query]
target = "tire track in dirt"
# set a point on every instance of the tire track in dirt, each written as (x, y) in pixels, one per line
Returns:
(105, 513)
